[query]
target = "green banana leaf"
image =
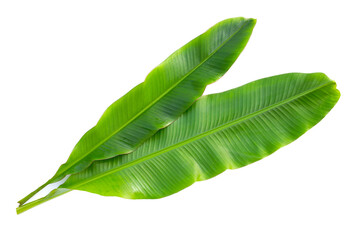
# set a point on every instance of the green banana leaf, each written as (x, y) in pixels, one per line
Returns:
(220, 131)
(166, 93)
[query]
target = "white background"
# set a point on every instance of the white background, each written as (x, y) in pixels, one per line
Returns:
(63, 62)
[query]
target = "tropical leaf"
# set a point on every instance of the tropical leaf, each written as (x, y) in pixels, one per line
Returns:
(165, 94)
(221, 131)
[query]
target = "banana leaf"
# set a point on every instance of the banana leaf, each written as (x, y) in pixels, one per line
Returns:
(166, 93)
(222, 131)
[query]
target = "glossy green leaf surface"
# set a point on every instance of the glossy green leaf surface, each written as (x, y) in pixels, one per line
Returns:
(220, 131)
(166, 93)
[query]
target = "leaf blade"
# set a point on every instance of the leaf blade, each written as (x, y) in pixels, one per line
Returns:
(164, 172)
(167, 91)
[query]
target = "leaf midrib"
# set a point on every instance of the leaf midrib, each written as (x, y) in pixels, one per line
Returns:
(157, 99)
(207, 133)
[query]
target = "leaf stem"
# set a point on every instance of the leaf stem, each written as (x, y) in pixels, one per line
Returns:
(53, 194)
(25, 199)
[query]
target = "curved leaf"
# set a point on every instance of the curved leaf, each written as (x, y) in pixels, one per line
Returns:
(165, 94)
(221, 131)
